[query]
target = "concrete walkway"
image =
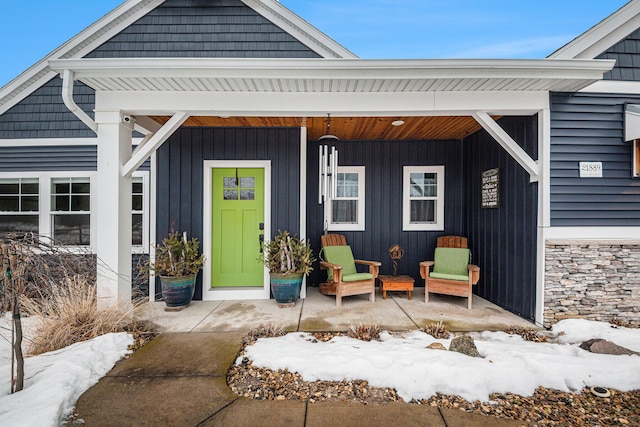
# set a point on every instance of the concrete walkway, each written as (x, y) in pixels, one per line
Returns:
(179, 378)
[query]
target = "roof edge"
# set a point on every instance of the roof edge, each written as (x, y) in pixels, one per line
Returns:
(82, 43)
(603, 35)
(299, 28)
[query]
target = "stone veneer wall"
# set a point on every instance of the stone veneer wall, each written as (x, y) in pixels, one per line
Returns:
(595, 280)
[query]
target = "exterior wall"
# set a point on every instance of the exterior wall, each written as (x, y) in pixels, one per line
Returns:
(179, 203)
(48, 158)
(383, 162)
(627, 56)
(592, 280)
(503, 239)
(589, 127)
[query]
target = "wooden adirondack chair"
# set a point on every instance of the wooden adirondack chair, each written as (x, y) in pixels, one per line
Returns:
(452, 272)
(343, 279)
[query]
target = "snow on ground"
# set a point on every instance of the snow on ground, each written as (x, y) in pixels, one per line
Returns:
(54, 381)
(509, 363)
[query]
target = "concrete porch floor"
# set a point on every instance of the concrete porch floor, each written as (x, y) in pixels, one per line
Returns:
(318, 312)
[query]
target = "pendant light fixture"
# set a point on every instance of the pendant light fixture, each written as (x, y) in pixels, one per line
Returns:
(328, 134)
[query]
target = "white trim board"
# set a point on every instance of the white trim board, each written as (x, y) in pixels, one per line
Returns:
(53, 142)
(613, 86)
(209, 294)
(592, 233)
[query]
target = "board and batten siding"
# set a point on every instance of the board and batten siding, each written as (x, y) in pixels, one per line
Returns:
(175, 29)
(587, 127)
(179, 205)
(384, 162)
(503, 239)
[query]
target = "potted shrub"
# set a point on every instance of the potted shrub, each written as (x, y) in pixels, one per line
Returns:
(177, 263)
(288, 259)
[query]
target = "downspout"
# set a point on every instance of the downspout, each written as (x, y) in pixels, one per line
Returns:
(67, 98)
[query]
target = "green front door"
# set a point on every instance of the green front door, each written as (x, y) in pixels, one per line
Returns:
(237, 226)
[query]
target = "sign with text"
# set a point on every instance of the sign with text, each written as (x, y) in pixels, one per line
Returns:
(490, 187)
(590, 169)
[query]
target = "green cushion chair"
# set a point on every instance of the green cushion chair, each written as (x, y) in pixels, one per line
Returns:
(452, 274)
(343, 278)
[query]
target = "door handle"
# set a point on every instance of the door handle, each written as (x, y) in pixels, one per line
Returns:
(261, 241)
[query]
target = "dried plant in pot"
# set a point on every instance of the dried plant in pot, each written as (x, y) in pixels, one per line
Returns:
(177, 263)
(288, 259)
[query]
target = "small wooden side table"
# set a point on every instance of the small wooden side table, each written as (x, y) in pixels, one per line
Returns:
(396, 283)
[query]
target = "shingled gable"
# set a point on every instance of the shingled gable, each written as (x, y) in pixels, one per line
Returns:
(278, 32)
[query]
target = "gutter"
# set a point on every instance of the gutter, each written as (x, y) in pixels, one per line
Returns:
(67, 98)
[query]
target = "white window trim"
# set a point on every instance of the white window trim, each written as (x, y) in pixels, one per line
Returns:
(46, 214)
(438, 225)
(360, 224)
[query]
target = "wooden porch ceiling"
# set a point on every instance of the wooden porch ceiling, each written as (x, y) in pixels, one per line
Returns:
(352, 128)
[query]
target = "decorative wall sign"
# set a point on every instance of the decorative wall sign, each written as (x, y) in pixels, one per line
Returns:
(590, 169)
(490, 188)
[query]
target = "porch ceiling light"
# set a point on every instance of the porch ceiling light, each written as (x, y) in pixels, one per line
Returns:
(328, 135)
(397, 123)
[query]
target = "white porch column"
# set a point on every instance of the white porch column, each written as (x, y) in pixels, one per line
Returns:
(113, 209)
(544, 206)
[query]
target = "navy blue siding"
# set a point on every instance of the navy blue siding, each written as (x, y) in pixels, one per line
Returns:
(42, 114)
(180, 179)
(34, 158)
(196, 28)
(627, 56)
(384, 161)
(590, 127)
(503, 239)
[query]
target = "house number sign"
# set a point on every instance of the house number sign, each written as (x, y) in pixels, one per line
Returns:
(490, 187)
(590, 169)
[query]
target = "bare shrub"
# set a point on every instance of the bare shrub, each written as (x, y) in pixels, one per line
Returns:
(268, 330)
(59, 286)
(527, 334)
(365, 332)
(437, 330)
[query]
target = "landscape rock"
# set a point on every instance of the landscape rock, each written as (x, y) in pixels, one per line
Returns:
(602, 346)
(436, 346)
(465, 345)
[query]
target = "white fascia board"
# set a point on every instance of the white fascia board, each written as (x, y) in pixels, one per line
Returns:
(299, 29)
(296, 104)
(603, 35)
(53, 142)
(86, 41)
(333, 68)
(613, 86)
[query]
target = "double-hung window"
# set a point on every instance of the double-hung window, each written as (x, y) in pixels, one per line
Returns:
(19, 205)
(346, 208)
(423, 198)
(71, 210)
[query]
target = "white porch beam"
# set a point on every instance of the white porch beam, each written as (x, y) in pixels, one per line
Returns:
(113, 210)
(148, 147)
(146, 125)
(299, 104)
(512, 147)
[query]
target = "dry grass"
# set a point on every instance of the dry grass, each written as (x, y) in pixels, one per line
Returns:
(365, 332)
(268, 330)
(71, 315)
(437, 330)
(526, 333)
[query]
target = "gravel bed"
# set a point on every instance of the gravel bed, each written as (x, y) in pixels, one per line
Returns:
(546, 407)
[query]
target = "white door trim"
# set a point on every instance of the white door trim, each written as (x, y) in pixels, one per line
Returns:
(240, 293)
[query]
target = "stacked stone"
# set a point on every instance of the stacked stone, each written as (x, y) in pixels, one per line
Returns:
(592, 280)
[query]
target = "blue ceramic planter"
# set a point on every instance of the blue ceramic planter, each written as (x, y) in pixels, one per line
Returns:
(178, 291)
(286, 288)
